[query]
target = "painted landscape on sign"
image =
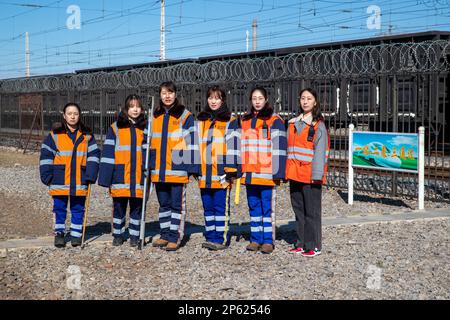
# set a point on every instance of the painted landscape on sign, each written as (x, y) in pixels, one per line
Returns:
(389, 151)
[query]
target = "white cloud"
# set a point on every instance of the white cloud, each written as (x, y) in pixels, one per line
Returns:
(402, 140)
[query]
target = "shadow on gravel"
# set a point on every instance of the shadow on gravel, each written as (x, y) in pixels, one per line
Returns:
(287, 233)
(151, 229)
(97, 230)
(238, 231)
(366, 198)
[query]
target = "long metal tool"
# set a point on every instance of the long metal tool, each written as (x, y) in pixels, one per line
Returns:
(85, 215)
(147, 174)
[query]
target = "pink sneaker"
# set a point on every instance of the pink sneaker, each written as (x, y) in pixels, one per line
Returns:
(296, 250)
(311, 253)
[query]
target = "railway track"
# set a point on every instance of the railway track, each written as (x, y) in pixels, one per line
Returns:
(430, 171)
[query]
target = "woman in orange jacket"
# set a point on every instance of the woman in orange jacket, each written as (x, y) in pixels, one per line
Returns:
(219, 153)
(263, 152)
(68, 164)
(173, 158)
(306, 168)
(122, 168)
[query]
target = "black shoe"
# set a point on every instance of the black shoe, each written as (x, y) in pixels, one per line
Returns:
(117, 241)
(75, 241)
(134, 242)
(59, 240)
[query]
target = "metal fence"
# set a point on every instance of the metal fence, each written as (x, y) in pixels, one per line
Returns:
(387, 87)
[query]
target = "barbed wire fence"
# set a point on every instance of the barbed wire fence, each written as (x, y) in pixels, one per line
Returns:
(363, 61)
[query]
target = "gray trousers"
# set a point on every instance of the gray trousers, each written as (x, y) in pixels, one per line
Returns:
(306, 201)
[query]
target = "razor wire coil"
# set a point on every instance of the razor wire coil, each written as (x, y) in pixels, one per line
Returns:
(366, 61)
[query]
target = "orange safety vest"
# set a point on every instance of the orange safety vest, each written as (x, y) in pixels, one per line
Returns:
(300, 155)
(256, 151)
(69, 171)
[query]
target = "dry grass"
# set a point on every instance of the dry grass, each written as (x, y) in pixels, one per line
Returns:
(10, 158)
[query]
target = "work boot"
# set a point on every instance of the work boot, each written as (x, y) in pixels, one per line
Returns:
(267, 248)
(134, 242)
(172, 246)
(253, 246)
(59, 240)
(117, 241)
(75, 241)
(160, 243)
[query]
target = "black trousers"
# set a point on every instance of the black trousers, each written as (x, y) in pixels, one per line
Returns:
(306, 201)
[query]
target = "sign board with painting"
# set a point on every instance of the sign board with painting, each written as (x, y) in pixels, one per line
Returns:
(391, 151)
(386, 151)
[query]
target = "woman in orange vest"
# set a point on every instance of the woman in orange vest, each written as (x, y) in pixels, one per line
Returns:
(219, 153)
(68, 164)
(173, 158)
(122, 168)
(306, 168)
(263, 152)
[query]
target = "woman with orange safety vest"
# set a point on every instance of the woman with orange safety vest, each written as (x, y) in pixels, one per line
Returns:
(68, 164)
(122, 168)
(219, 153)
(263, 152)
(173, 158)
(306, 169)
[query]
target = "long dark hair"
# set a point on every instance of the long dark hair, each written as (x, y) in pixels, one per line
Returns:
(81, 126)
(316, 113)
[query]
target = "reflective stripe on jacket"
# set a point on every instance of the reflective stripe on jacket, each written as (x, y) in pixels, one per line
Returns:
(174, 152)
(67, 167)
(307, 160)
(219, 151)
(122, 166)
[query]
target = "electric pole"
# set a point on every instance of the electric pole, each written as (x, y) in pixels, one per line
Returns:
(162, 53)
(27, 56)
(247, 38)
(254, 26)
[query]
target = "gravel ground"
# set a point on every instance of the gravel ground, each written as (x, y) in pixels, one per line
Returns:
(32, 216)
(394, 260)
(398, 260)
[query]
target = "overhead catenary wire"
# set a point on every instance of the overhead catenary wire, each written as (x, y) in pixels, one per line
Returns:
(280, 34)
(178, 50)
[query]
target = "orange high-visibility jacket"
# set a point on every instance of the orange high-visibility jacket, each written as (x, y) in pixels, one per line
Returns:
(174, 152)
(263, 148)
(122, 164)
(67, 166)
(219, 148)
(307, 160)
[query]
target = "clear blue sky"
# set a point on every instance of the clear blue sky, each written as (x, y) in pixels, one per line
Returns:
(117, 32)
